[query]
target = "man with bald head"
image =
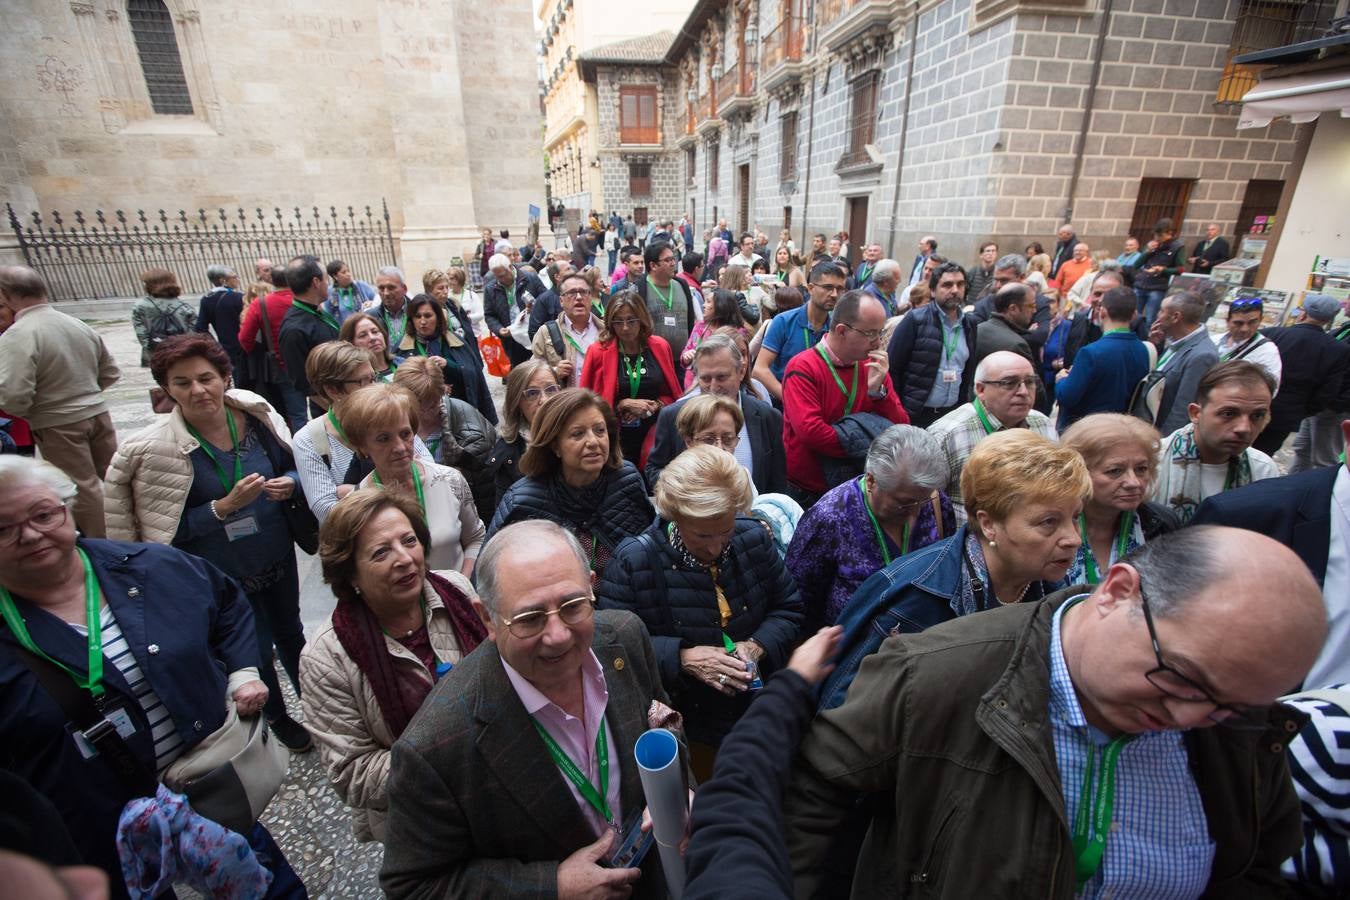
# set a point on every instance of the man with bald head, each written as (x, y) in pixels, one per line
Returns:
(1005, 390)
(1209, 252)
(1123, 742)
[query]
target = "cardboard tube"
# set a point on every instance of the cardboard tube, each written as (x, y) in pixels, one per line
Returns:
(658, 758)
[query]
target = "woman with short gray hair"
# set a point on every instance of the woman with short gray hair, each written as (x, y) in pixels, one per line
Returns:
(858, 527)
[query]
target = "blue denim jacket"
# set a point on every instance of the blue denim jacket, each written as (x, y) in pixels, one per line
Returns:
(910, 595)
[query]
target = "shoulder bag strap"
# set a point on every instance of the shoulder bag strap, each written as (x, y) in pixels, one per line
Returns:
(318, 435)
(937, 516)
(98, 731)
(269, 341)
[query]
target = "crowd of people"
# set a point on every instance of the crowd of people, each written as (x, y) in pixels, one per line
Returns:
(897, 551)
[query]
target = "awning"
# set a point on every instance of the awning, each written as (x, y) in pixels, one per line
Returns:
(1300, 98)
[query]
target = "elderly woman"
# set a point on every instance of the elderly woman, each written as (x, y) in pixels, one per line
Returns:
(633, 371)
(527, 387)
(396, 629)
(859, 527)
(173, 639)
(564, 341)
(160, 315)
(1023, 494)
(429, 336)
(575, 476)
(210, 478)
(720, 309)
(367, 332)
(346, 294)
(711, 589)
(457, 434)
(1121, 453)
(462, 302)
(382, 422)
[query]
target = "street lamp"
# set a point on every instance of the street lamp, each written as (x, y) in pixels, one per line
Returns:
(751, 35)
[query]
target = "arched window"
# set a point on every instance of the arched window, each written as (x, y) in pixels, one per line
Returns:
(157, 46)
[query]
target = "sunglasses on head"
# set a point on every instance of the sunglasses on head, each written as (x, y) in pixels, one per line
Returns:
(1245, 304)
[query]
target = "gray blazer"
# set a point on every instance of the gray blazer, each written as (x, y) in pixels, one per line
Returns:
(476, 806)
(1184, 370)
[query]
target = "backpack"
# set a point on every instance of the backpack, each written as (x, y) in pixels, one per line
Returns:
(164, 326)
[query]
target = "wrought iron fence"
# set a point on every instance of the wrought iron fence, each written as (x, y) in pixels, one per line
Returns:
(83, 259)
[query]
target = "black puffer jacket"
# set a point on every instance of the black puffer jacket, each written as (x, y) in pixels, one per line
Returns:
(622, 511)
(467, 439)
(504, 465)
(915, 353)
(679, 607)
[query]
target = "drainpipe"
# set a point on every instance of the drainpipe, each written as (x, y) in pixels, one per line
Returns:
(810, 132)
(1088, 106)
(904, 128)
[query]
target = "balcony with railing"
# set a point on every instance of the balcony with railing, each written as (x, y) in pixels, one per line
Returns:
(735, 90)
(840, 22)
(708, 118)
(784, 46)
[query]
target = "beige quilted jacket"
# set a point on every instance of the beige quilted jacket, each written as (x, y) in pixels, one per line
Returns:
(149, 477)
(344, 718)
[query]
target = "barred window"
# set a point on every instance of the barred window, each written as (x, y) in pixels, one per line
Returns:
(157, 46)
(640, 179)
(787, 160)
(1160, 198)
(863, 95)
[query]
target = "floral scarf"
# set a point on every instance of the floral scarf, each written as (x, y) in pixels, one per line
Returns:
(1180, 469)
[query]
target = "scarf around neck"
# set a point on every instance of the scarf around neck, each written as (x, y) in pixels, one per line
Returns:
(1182, 470)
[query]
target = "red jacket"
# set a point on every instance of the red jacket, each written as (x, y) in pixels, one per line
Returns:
(278, 304)
(812, 403)
(600, 373)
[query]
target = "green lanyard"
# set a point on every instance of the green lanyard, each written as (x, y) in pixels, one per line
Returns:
(599, 800)
(417, 485)
(1116, 331)
(807, 334)
(575, 345)
(337, 426)
(1093, 822)
(876, 527)
(346, 299)
(93, 683)
(1122, 542)
(634, 372)
(1165, 358)
(950, 341)
(319, 313)
(225, 481)
(668, 300)
(987, 425)
(394, 339)
(849, 393)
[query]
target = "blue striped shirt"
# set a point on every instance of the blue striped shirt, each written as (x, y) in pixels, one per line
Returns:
(1159, 846)
(1319, 760)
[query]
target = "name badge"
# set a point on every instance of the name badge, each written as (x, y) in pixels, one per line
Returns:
(669, 321)
(949, 376)
(238, 529)
(118, 718)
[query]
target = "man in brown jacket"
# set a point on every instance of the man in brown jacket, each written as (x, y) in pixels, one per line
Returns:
(1066, 746)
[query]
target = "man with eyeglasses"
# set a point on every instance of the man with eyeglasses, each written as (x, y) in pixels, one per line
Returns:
(548, 305)
(846, 375)
(1126, 742)
(719, 369)
(563, 342)
(799, 329)
(932, 351)
(1009, 328)
(1242, 340)
(1005, 388)
(518, 777)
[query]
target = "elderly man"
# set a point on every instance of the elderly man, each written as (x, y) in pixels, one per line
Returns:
(1007, 326)
(927, 247)
(262, 269)
(54, 369)
(882, 280)
(846, 374)
(1242, 340)
(1079, 731)
(719, 369)
(1074, 268)
(511, 293)
(1213, 452)
(867, 268)
(799, 329)
(1005, 389)
(1314, 367)
(932, 351)
(1065, 241)
(511, 780)
(392, 306)
(220, 310)
(1187, 356)
(1209, 252)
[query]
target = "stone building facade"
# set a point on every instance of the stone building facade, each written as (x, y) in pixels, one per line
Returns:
(972, 119)
(184, 104)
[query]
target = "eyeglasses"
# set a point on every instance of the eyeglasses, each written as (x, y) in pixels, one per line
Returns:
(828, 288)
(579, 292)
(624, 323)
(531, 623)
(359, 382)
(904, 509)
(44, 521)
(1011, 384)
(1171, 683)
(871, 333)
(536, 393)
(721, 441)
(665, 259)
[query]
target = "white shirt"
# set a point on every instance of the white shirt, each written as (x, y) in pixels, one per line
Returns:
(1265, 354)
(584, 338)
(1213, 476)
(1333, 664)
(742, 260)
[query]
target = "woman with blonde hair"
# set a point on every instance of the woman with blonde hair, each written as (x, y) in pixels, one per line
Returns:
(528, 386)
(712, 590)
(1038, 275)
(1121, 454)
(382, 422)
(463, 302)
(1023, 494)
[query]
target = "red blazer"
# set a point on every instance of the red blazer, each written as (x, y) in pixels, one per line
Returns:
(600, 373)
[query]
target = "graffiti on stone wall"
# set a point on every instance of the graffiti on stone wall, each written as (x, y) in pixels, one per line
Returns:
(55, 76)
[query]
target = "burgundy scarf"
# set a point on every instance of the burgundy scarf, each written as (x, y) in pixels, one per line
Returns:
(399, 689)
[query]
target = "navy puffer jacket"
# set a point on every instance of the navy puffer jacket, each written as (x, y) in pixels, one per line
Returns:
(915, 355)
(679, 607)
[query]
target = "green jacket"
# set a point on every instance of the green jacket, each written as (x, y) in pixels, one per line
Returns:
(949, 730)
